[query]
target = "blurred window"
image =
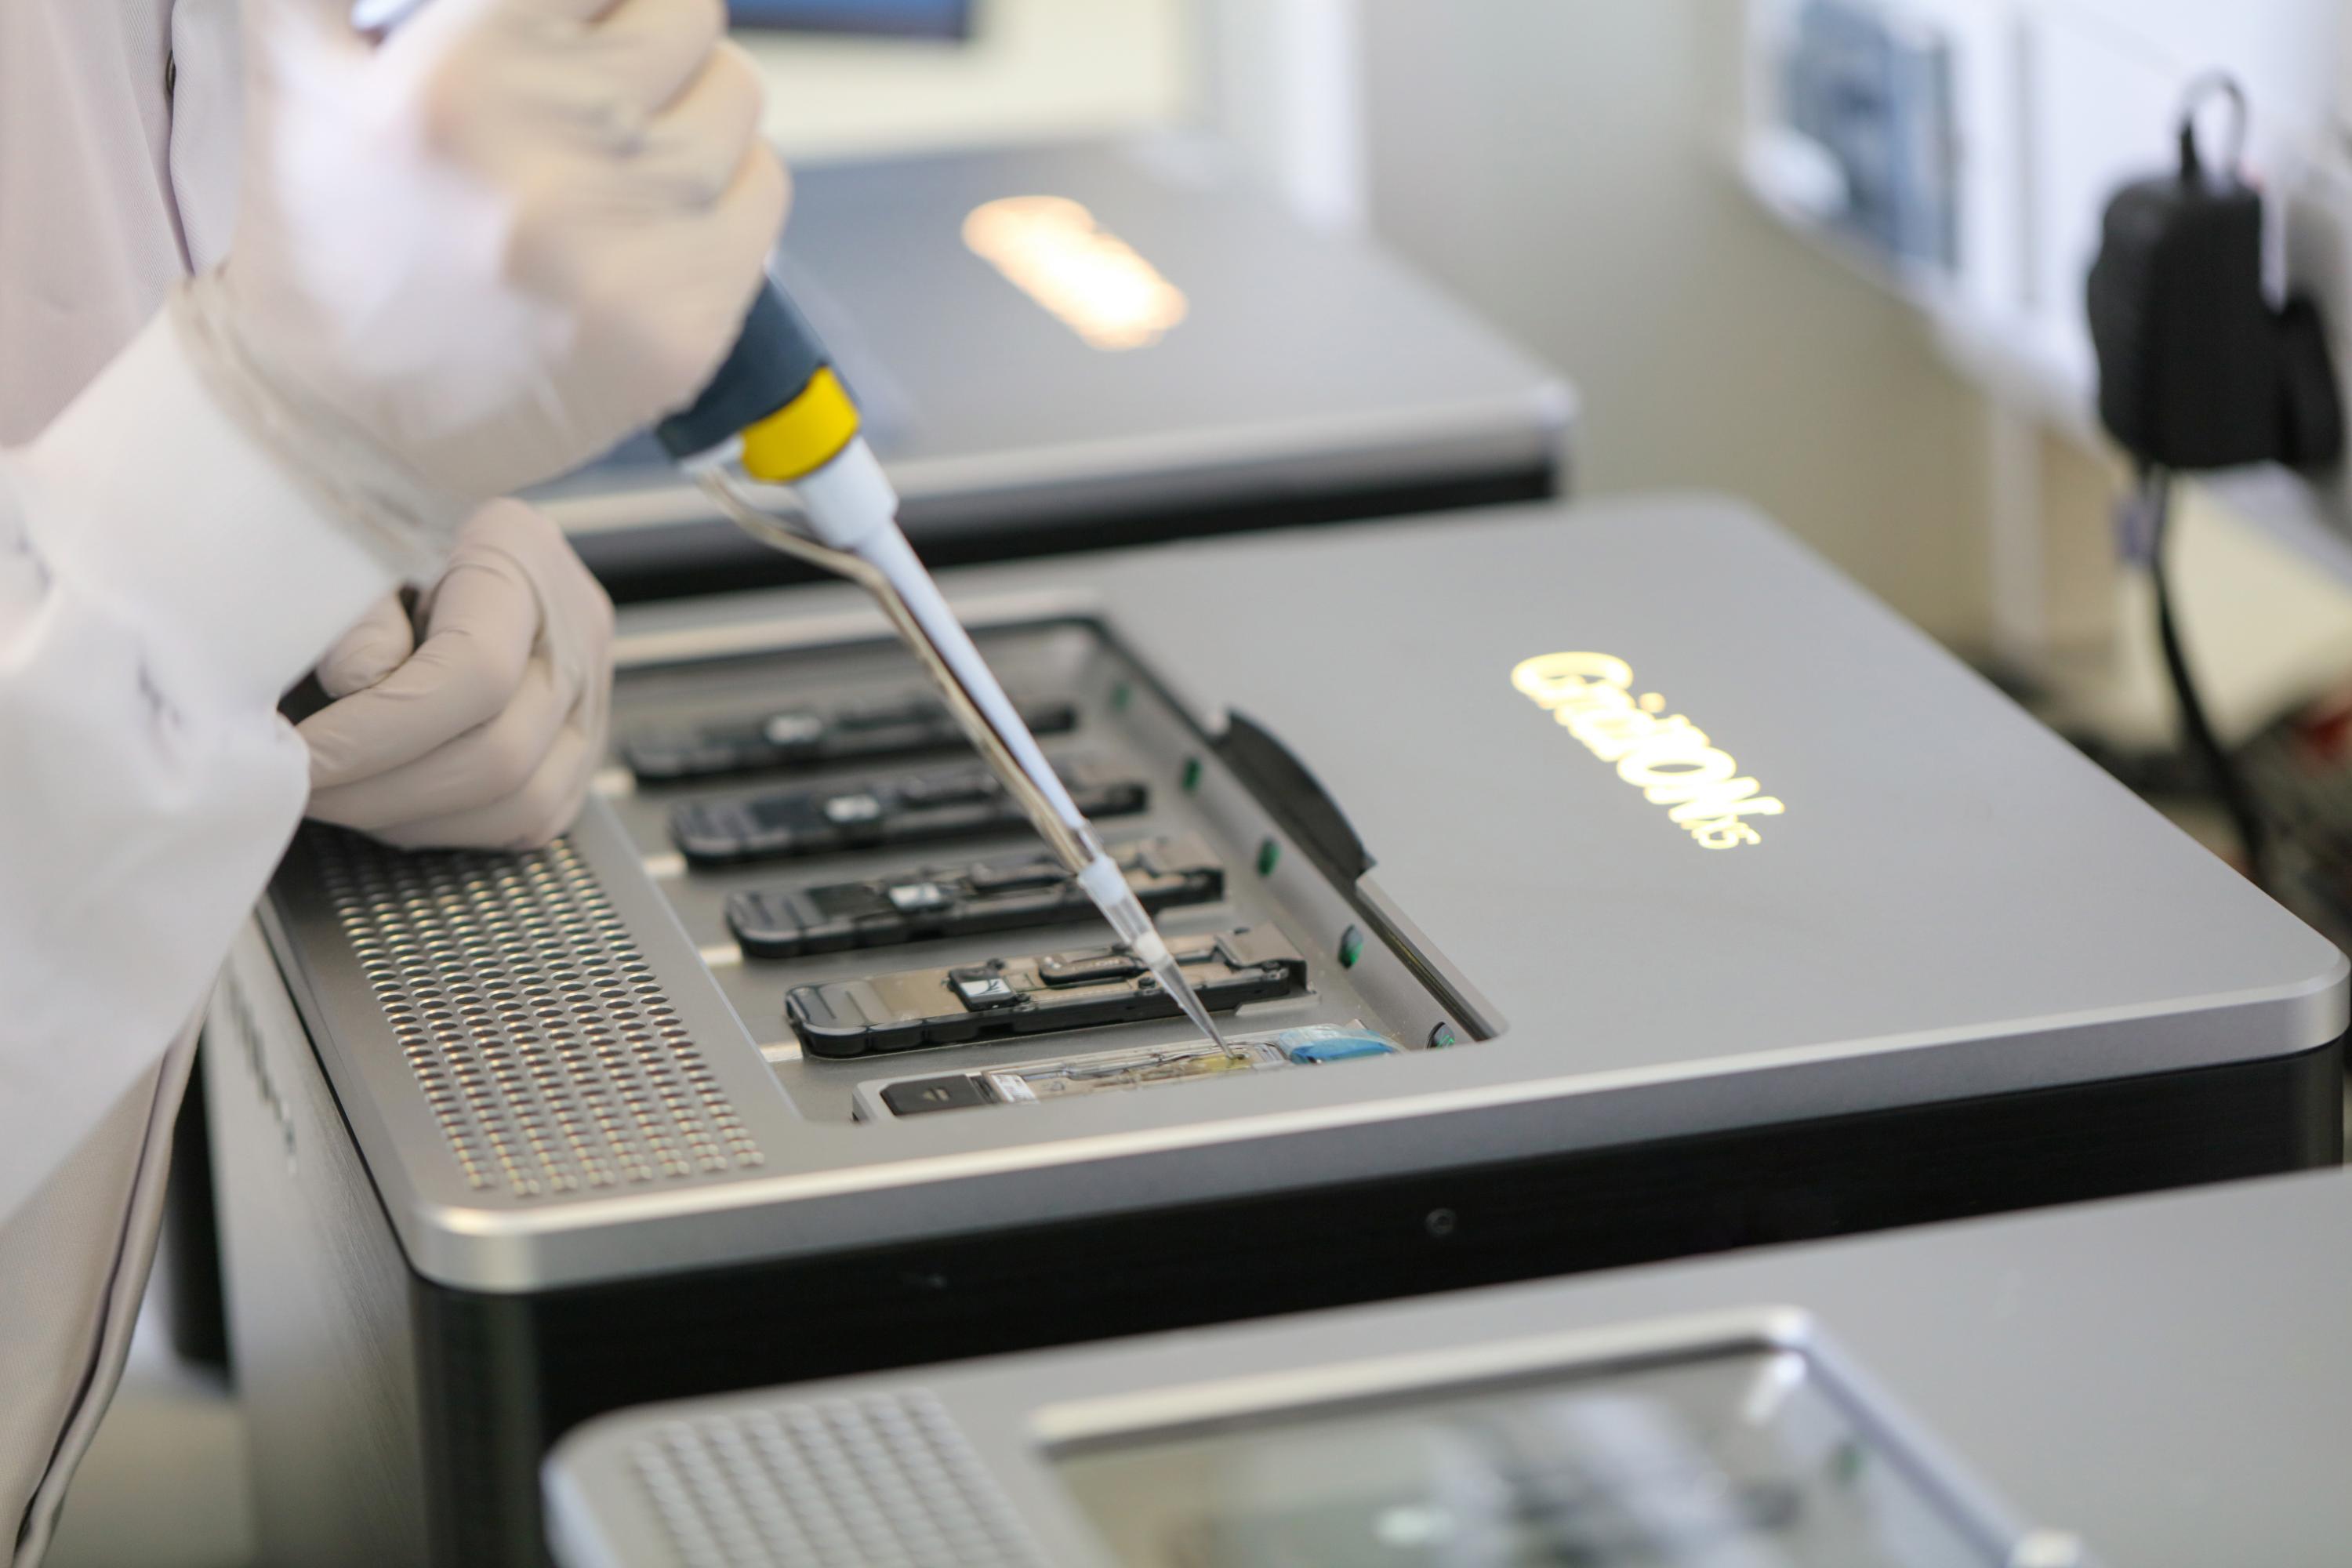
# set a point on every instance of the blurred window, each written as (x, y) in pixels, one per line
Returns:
(925, 18)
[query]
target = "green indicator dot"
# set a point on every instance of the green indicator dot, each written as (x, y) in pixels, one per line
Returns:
(1269, 855)
(1352, 947)
(1442, 1037)
(1192, 778)
(1121, 696)
(1846, 1463)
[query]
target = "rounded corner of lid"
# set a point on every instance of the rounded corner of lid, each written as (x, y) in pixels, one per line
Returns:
(470, 1246)
(2328, 992)
(1560, 403)
(1787, 1326)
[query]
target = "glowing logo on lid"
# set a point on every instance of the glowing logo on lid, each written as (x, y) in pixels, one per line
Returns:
(1667, 758)
(1051, 249)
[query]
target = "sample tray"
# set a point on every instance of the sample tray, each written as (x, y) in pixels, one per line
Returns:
(1127, 726)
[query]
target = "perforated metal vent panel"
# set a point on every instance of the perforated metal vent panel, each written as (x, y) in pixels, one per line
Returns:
(881, 1482)
(540, 1035)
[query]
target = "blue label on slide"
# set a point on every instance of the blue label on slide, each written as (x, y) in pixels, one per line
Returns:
(1310, 1046)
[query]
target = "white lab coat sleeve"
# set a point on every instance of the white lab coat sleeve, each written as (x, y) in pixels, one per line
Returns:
(161, 582)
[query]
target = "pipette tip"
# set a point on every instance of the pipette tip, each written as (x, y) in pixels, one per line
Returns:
(1107, 885)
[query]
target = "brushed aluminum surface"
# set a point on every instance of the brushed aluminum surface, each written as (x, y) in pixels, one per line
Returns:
(2161, 1377)
(608, 1509)
(1954, 905)
(993, 416)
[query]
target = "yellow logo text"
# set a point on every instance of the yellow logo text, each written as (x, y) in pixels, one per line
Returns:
(1051, 249)
(1665, 756)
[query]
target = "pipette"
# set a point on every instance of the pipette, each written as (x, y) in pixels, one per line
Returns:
(775, 426)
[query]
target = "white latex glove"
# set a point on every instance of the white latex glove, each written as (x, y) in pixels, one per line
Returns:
(485, 734)
(510, 234)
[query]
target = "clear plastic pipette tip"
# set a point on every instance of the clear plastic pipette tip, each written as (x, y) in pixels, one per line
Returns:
(1107, 885)
(1170, 975)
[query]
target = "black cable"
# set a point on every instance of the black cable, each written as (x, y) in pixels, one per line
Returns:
(2156, 495)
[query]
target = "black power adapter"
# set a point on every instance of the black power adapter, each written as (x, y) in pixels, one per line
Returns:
(2198, 370)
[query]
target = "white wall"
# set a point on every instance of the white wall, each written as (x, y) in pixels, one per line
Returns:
(1564, 166)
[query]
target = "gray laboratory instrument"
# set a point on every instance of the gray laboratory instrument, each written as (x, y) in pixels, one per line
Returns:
(1733, 1439)
(1090, 343)
(2158, 1381)
(1586, 886)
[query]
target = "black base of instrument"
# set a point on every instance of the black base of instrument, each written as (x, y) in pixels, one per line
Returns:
(683, 560)
(504, 1377)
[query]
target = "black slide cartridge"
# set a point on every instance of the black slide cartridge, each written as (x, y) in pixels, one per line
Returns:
(937, 901)
(1008, 996)
(816, 736)
(911, 808)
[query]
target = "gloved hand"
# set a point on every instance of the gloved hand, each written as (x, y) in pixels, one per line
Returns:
(502, 238)
(485, 734)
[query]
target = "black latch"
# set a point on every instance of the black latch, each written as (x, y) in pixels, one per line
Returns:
(1295, 798)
